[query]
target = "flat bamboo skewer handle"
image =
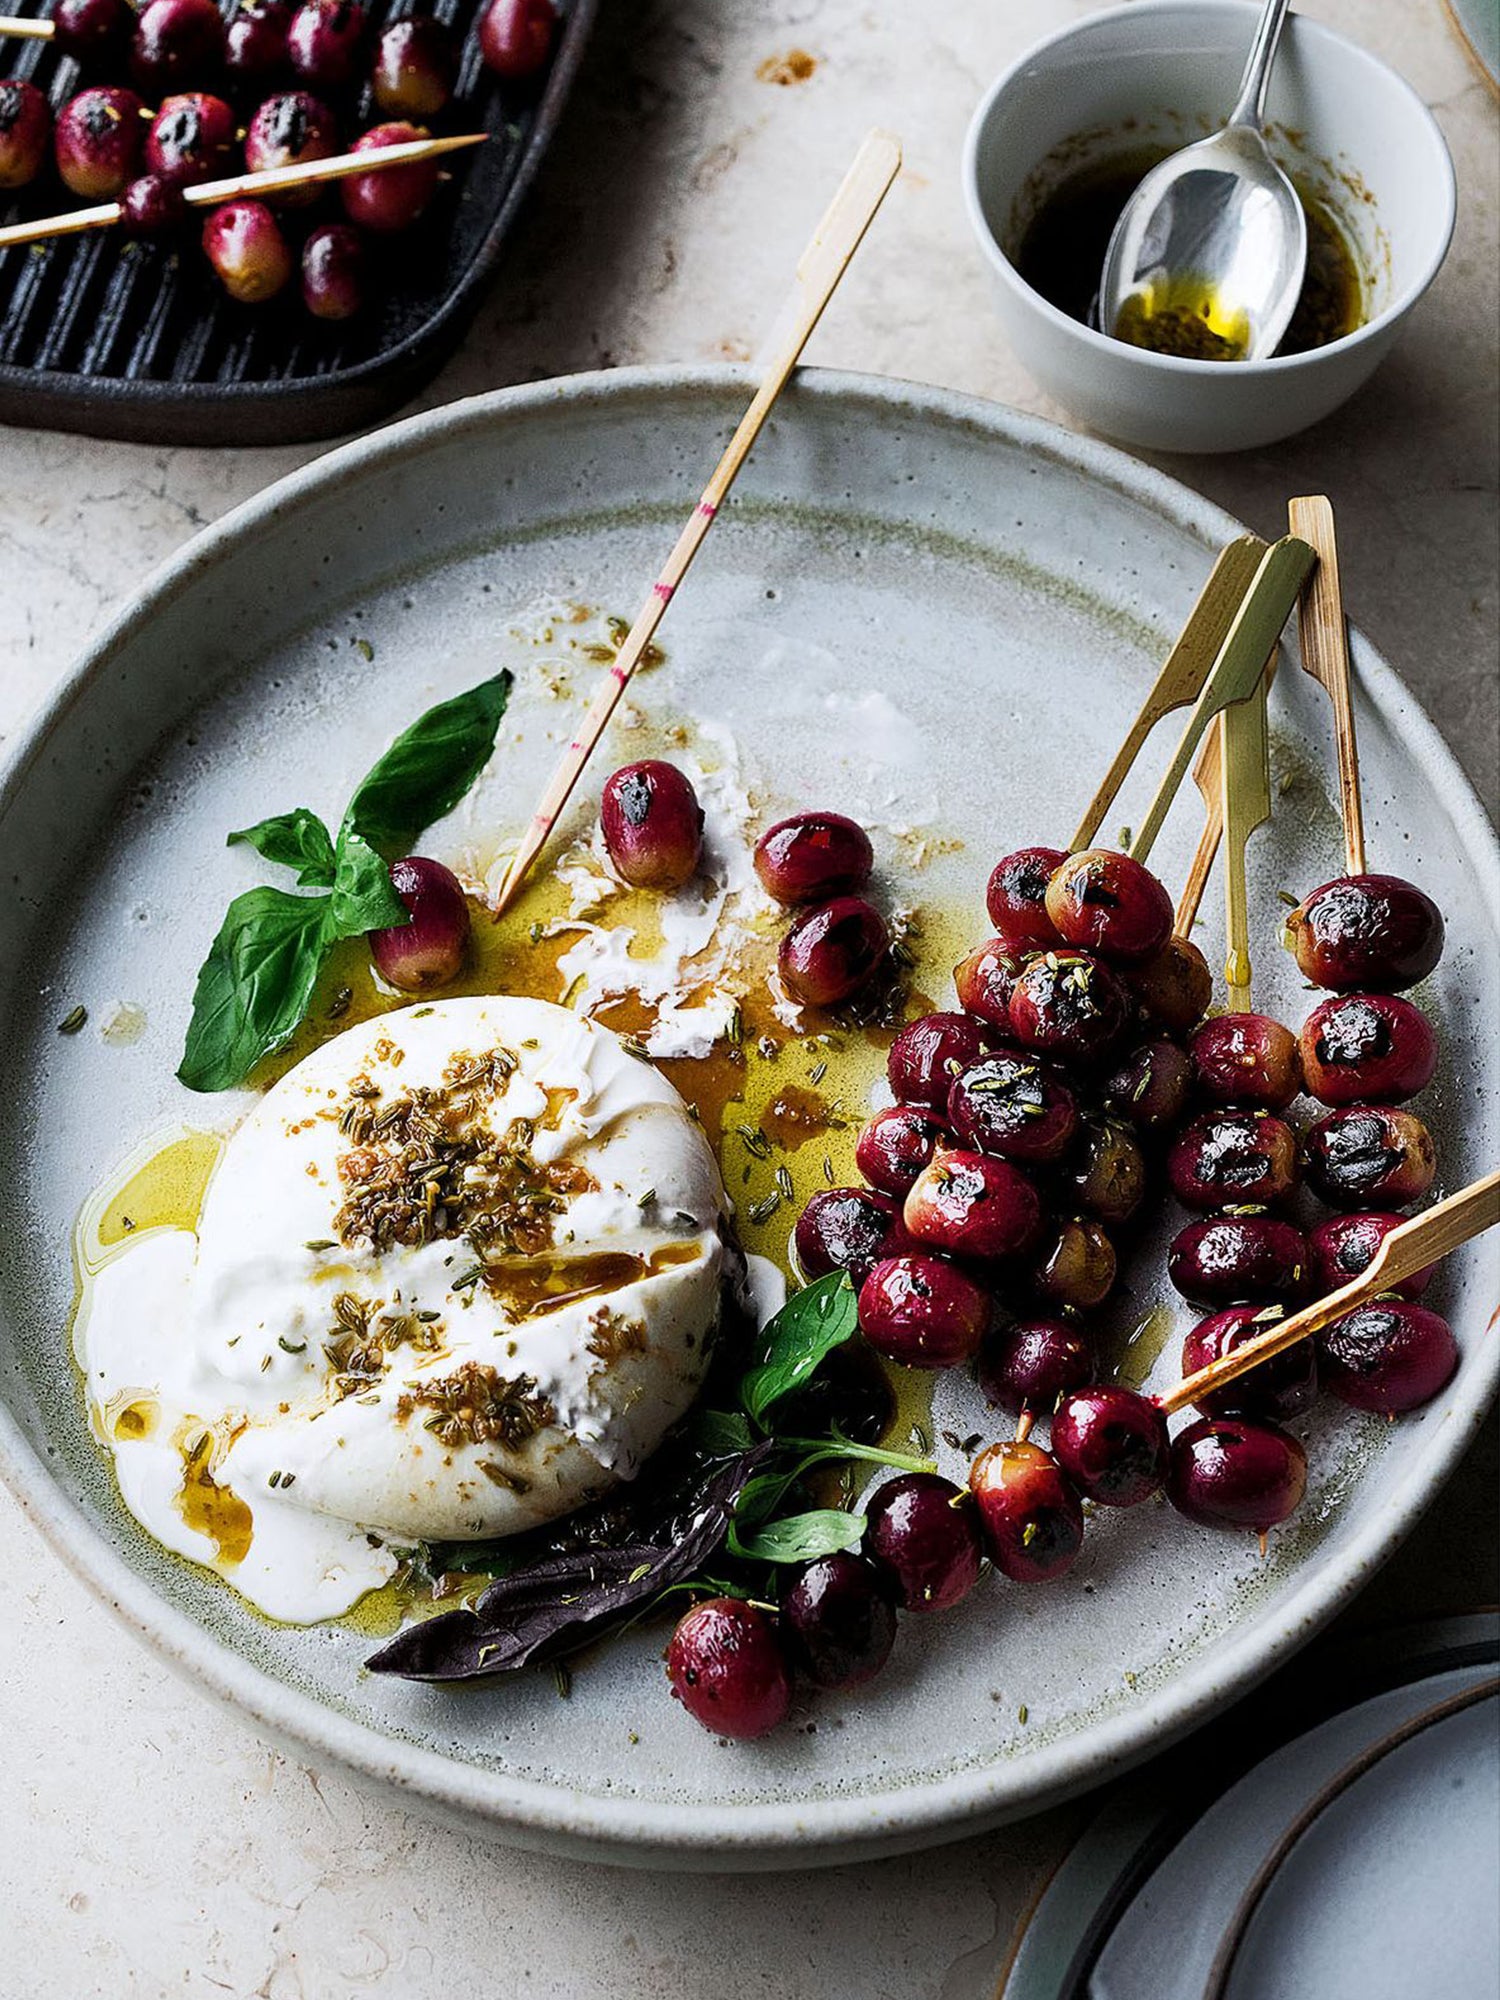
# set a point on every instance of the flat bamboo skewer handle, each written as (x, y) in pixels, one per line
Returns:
(1324, 636)
(1417, 1243)
(24, 30)
(1183, 672)
(269, 181)
(1245, 793)
(1206, 776)
(1240, 664)
(822, 265)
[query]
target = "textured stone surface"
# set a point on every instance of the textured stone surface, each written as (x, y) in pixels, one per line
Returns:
(153, 1846)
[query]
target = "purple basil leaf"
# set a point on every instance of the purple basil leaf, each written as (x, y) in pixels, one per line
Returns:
(559, 1601)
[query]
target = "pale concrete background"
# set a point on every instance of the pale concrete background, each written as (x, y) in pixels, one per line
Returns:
(148, 1844)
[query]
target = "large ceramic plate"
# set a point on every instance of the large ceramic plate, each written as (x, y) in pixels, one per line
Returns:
(931, 610)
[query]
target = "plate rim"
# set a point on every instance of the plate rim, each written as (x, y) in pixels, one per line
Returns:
(776, 1834)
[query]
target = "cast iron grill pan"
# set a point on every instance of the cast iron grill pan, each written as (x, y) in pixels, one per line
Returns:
(139, 341)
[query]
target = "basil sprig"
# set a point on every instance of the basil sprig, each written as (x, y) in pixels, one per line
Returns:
(257, 982)
(797, 1341)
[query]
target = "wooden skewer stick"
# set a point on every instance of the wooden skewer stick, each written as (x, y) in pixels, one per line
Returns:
(822, 264)
(1183, 672)
(1240, 664)
(24, 30)
(1324, 636)
(1416, 1244)
(1206, 776)
(269, 181)
(1245, 793)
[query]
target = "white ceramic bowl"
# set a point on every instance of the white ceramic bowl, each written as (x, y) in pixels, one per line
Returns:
(1166, 72)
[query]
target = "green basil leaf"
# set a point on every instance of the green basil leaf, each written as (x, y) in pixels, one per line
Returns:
(811, 1324)
(718, 1433)
(254, 986)
(428, 768)
(297, 839)
(799, 1537)
(363, 899)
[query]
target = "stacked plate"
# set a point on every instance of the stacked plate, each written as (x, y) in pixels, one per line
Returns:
(1355, 1859)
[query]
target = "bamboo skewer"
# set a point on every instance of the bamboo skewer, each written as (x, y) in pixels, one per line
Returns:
(1240, 664)
(1206, 776)
(822, 265)
(1417, 1243)
(24, 30)
(1245, 794)
(1183, 672)
(269, 181)
(1324, 635)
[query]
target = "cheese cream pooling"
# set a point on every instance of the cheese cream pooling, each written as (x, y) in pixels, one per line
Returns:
(456, 1274)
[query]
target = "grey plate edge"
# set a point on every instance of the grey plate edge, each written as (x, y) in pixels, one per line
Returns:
(826, 1832)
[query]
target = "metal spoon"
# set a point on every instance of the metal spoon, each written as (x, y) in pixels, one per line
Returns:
(1209, 255)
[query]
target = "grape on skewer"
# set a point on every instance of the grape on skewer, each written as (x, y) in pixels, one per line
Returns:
(25, 133)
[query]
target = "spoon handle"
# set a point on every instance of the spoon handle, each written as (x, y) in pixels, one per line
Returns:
(1250, 107)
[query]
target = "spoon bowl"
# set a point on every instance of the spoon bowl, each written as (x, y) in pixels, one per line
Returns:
(1208, 259)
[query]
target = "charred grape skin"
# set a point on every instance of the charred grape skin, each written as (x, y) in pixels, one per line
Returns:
(840, 1623)
(1016, 897)
(1014, 1107)
(25, 133)
(922, 1532)
(1112, 1444)
(1370, 931)
(728, 1668)
(813, 856)
(515, 37)
(151, 208)
(1389, 1356)
(844, 1229)
(191, 139)
(652, 825)
(429, 951)
(323, 42)
(1077, 1265)
(1228, 1159)
(1030, 1364)
(1107, 1173)
(1343, 1246)
(896, 1145)
(832, 951)
(291, 129)
(95, 33)
(1173, 987)
(97, 142)
(1245, 1059)
(1369, 1154)
(335, 272)
(243, 242)
(1107, 903)
(923, 1312)
(1359, 1047)
(1229, 1472)
(1277, 1390)
(1149, 1089)
(929, 1053)
(1068, 1004)
(177, 45)
(393, 199)
(985, 980)
(1029, 1511)
(1225, 1259)
(972, 1206)
(414, 68)
(255, 44)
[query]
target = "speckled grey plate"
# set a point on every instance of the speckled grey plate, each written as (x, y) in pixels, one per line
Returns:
(925, 609)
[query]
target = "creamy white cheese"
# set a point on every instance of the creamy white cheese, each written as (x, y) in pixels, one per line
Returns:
(295, 1389)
